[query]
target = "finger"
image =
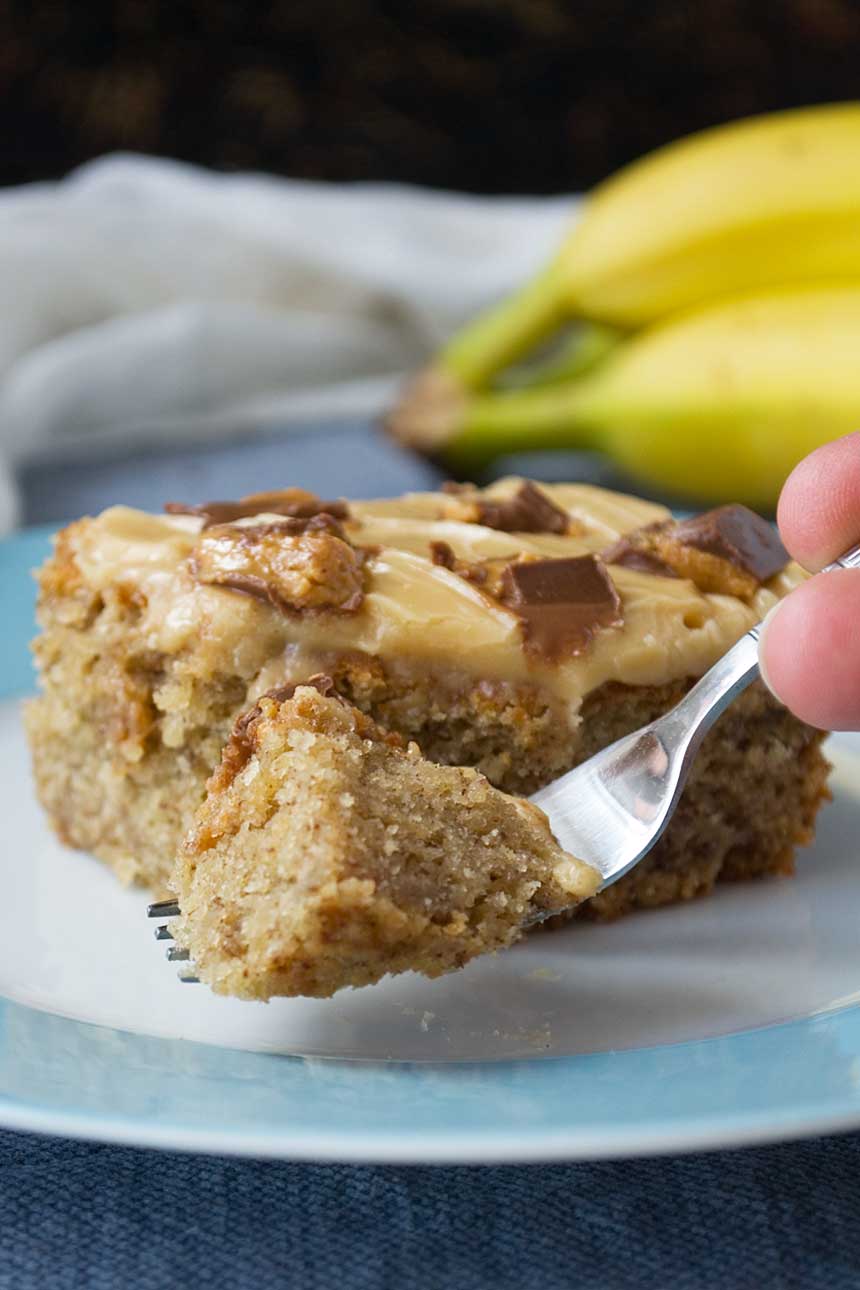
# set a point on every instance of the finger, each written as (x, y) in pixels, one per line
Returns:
(819, 510)
(810, 651)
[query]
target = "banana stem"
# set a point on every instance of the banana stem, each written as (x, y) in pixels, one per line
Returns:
(589, 345)
(507, 332)
(526, 420)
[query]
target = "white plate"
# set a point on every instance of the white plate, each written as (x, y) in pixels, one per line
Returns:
(73, 942)
(75, 945)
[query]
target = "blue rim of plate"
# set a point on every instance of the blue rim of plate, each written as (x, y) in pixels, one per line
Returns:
(61, 1076)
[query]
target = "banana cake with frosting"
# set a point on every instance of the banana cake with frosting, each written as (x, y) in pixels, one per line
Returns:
(512, 631)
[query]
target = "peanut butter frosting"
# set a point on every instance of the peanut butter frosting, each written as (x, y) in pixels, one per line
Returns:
(376, 588)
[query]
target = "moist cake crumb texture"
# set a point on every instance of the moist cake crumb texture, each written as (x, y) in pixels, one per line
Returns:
(328, 854)
(506, 633)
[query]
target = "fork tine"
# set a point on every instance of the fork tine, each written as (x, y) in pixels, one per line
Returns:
(163, 909)
(174, 953)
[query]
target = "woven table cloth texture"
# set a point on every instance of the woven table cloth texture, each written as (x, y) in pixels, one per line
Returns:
(76, 1214)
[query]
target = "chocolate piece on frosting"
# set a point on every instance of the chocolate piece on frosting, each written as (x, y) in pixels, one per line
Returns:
(293, 502)
(296, 565)
(736, 534)
(633, 551)
(478, 572)
(730, 551)
(442, 553)
(528, 510)
(561, 603)
(631, 557)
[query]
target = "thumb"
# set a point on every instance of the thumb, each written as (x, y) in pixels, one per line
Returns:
(809, 651)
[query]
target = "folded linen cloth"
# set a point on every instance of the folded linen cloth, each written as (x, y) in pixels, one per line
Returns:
(149, 300)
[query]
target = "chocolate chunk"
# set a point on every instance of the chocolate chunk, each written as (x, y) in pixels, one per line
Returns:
(280, 693)
(323, 522)
(632, 557)
(295, 565)
(293, 502)
(736, 534)
(443, 554)
(632, 551)
(528, 510)
(562, 603)
(474, 571)
(239, 747)
(729, 551)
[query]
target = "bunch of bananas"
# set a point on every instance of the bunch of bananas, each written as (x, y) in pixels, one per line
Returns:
(717, 284)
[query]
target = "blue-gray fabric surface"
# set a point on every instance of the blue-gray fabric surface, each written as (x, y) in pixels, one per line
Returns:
(81, 1215)
(84, 1215)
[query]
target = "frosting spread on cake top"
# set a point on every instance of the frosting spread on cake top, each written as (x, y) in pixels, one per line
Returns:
(378, 579)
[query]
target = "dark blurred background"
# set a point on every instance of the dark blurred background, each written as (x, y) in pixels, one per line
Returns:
(486, 96)
(483, 95)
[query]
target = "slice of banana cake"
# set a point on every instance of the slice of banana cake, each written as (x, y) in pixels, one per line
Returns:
(515, 630)
(328, 853)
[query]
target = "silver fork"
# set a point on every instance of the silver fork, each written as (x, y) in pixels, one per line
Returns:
(173, 954)
(610, 810)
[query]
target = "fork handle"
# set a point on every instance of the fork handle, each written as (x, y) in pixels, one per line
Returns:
(850, 560)
(737, 669)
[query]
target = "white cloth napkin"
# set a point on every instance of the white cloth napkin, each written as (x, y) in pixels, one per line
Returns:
(146, 299)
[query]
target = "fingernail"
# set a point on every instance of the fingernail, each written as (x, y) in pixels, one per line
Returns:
(762, 636)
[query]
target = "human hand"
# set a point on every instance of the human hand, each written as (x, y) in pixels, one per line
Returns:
(810, 645)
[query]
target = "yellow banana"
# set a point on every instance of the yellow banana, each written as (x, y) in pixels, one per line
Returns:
(717, 403)
(773, 199)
